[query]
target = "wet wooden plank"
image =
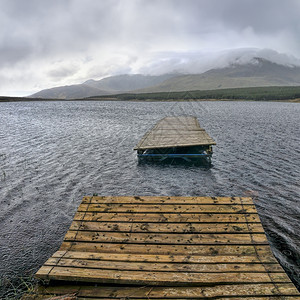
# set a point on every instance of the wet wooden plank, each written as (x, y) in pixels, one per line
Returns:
(247, 291)
(44, 271)
(195, 259)
(167, 139)
(165, 267)
(168, 249)
(168, 292)
(169, 244)
(183, 120)
(166, 217)
(167, 227)
(166, 238)
(174, 208)
(159, 278)
(165, 200)
(175, 132)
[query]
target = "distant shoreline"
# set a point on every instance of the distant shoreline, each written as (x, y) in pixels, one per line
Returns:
(270, 93)
(20, 99)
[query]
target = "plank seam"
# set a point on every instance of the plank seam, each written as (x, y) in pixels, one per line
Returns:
(117, 221)
(169, 212)
(172, 262)
(167, 244)
(166, 212)
(168, 203)
(188, 229)
(56, 263)
(141, 142)
(82, 220)
(169, 232)
(164, 271)
(275, 275)
(258, 257)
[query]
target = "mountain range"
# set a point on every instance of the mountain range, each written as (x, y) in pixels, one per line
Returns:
(258, 72)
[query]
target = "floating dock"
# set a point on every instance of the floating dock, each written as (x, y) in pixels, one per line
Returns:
(176, 137)
(165, 248)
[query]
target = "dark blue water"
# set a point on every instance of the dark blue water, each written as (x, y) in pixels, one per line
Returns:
(54, 153)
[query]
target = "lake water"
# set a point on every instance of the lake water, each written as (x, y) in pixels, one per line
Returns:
(54, 153)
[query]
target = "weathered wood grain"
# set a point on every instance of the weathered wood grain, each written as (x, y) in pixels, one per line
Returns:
(259, 291)
(168, 208)
(183, 247)
(168, 249)
(175, 132)
(167, 218)
(165, 200)
(166, 238)
(167, 227)
(158, 278)
(165, 267)
(194, 259)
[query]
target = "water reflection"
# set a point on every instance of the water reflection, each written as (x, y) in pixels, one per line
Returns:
(199, 163)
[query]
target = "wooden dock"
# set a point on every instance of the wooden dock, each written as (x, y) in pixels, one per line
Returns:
(176, 138)
(165, 248)
(178, 131)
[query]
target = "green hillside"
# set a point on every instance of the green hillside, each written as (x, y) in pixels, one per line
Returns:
(259, 73)
(253, 93)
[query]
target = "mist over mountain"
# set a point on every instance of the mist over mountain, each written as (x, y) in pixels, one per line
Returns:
(190, 62)
(105, 86)
(70, 92)
(231, 69)
(256, 73)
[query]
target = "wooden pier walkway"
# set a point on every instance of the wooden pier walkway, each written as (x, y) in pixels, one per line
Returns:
(178, 131)
(165, 248)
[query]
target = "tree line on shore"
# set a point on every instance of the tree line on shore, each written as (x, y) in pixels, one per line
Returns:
(250, 93)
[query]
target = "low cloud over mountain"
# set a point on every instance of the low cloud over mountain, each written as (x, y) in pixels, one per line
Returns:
(229, 69)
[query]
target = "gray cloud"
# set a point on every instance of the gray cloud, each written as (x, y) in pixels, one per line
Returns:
(136, 35)
(11, 52)
(197, 62)
(62, 72)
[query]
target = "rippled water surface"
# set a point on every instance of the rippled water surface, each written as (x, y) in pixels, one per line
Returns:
(54, 153)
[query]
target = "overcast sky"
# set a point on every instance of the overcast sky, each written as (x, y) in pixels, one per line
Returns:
(46, 43)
